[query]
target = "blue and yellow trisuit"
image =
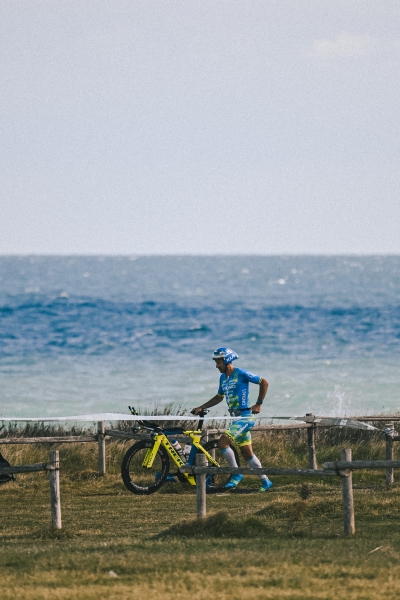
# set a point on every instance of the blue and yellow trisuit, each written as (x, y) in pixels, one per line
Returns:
(235, 388)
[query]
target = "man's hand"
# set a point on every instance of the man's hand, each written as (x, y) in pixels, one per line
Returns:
(256, 409)
(213, 402)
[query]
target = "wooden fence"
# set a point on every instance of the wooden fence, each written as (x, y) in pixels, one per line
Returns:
(53, 467)
(103, 434)
(342, 468)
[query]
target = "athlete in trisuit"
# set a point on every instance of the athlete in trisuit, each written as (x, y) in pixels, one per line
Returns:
(234, 385)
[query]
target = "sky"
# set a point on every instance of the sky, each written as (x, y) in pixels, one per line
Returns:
(200, 127)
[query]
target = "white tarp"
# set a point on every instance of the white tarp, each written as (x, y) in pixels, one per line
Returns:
(116, 417)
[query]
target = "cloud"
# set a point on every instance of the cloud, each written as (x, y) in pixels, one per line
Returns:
(345, 45)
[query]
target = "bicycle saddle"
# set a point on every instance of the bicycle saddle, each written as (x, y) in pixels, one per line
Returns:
(173, 431)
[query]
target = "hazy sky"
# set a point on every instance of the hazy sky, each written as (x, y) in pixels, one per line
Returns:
(235, 126)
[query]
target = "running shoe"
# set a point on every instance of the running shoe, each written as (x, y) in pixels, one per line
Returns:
(234, 481)
(266, 484)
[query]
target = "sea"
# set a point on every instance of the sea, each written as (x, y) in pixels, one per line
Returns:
(95, 334)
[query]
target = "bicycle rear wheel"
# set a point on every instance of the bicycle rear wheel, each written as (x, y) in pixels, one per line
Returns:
(141, 480)
(216, 482)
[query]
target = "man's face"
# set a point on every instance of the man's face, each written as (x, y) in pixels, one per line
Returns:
(219, 364)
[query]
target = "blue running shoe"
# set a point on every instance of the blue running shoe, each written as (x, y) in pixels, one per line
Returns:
(234, 481)
(266, 484)
(169, 477)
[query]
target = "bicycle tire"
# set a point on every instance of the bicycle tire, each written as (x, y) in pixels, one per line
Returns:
(216, 483)
(139, 480)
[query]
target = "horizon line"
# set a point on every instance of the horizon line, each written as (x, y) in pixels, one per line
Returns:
(134, 255)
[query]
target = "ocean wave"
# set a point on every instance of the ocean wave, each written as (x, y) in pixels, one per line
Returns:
(76, 325)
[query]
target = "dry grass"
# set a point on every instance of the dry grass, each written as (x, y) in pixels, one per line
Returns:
(256, 546)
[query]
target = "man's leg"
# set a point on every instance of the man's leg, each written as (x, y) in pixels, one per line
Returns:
(251, 458)
(224, 445)
(239, 431)
(229, 455)
(253, 462)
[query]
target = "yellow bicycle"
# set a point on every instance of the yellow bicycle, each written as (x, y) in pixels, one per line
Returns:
(146, 465)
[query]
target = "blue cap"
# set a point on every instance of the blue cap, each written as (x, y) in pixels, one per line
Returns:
(226, 353)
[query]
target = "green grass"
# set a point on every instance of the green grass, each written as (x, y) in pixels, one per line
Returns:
(252, 546)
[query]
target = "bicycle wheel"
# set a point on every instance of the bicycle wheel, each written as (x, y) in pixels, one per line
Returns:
(138, 479)
(216, 482)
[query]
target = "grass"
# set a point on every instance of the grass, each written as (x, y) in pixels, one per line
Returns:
(287, 543)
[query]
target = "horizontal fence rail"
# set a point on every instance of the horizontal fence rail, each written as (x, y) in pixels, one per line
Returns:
(61, 439)
(204, 470)
(124, 435)
(362, 464)
(28, 468)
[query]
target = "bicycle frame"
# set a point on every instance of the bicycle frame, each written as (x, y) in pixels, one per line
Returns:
(160, 439)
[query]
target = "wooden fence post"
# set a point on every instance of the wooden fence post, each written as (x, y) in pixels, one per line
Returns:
(312, 457)
(201, 461)
(347, 495)
(101, 441)
(55, 499)
(389, 455)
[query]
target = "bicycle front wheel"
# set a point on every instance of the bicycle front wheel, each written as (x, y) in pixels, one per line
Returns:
(139, 479)
(215, 482)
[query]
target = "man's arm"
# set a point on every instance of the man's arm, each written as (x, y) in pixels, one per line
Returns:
(213, 402)
(261, 395)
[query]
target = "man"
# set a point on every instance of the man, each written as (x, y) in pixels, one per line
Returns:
(234, 385)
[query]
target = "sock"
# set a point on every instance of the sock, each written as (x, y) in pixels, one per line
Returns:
(230, 456)
(254, 463)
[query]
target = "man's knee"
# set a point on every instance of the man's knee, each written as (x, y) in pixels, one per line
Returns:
(223, 442)
(246, 451)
